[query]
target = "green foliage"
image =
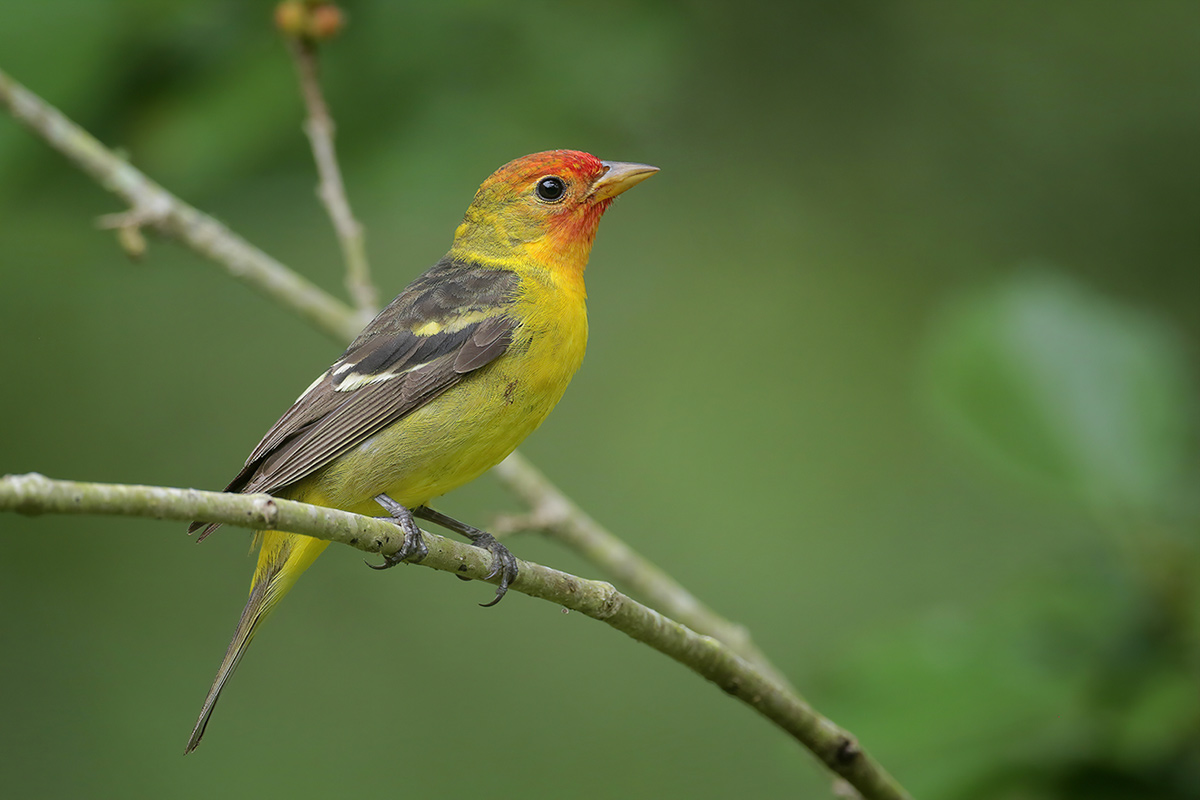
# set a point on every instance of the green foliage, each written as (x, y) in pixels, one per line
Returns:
(1055, 382)
(1092, 400)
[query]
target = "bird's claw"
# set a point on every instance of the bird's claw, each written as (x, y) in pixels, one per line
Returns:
(414, 547)
(504, 564)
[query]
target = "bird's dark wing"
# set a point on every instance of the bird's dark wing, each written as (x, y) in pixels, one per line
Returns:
(448, 323)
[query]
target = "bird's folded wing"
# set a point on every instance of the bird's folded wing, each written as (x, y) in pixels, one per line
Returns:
(441, 329)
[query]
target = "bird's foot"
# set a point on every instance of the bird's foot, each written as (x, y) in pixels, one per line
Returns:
(504, 563)
(414, 548)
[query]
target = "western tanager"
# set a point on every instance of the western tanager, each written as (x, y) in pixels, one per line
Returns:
(445, 382)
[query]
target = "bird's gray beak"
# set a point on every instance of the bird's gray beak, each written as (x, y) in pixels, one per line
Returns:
(618, 177)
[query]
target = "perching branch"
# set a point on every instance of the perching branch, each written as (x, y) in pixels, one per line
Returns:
(37, 494)
(736, 665)
(320, 130)
(151, 205)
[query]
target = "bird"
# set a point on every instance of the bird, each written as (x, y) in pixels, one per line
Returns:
(443, 383)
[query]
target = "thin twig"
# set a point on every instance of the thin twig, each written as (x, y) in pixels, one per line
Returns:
(320, 129)
(156, 207)
(553, 513)
(705, 655)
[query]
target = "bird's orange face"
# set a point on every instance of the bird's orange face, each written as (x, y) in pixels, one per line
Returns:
(547, 205)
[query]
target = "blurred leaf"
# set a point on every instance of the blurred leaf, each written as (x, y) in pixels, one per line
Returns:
(1021, 692)
(1062, 385)
(1162, 716)
(991, 686)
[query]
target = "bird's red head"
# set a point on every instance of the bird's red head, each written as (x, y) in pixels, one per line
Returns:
(545, 207)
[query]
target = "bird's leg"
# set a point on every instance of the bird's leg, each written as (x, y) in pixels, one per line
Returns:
(414, 548)
(504, 563)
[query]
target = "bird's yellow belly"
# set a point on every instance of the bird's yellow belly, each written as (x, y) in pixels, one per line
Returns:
(461, 434)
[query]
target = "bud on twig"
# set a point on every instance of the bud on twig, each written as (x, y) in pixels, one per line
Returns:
(290, 17)
(305, 19)
(132, 241)
(325, 22)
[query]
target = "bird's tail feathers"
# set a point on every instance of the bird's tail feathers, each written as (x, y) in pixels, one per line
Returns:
(281, 560)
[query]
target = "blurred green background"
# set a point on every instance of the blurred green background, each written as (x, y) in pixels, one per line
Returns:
(895, 363)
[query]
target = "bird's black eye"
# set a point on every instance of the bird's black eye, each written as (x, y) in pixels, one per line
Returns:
(551, 189)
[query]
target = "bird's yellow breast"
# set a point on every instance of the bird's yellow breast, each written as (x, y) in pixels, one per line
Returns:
(474, 425)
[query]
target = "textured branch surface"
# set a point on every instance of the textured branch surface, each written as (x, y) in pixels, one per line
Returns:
(36, 494)
(152, 205)
(320, 129)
